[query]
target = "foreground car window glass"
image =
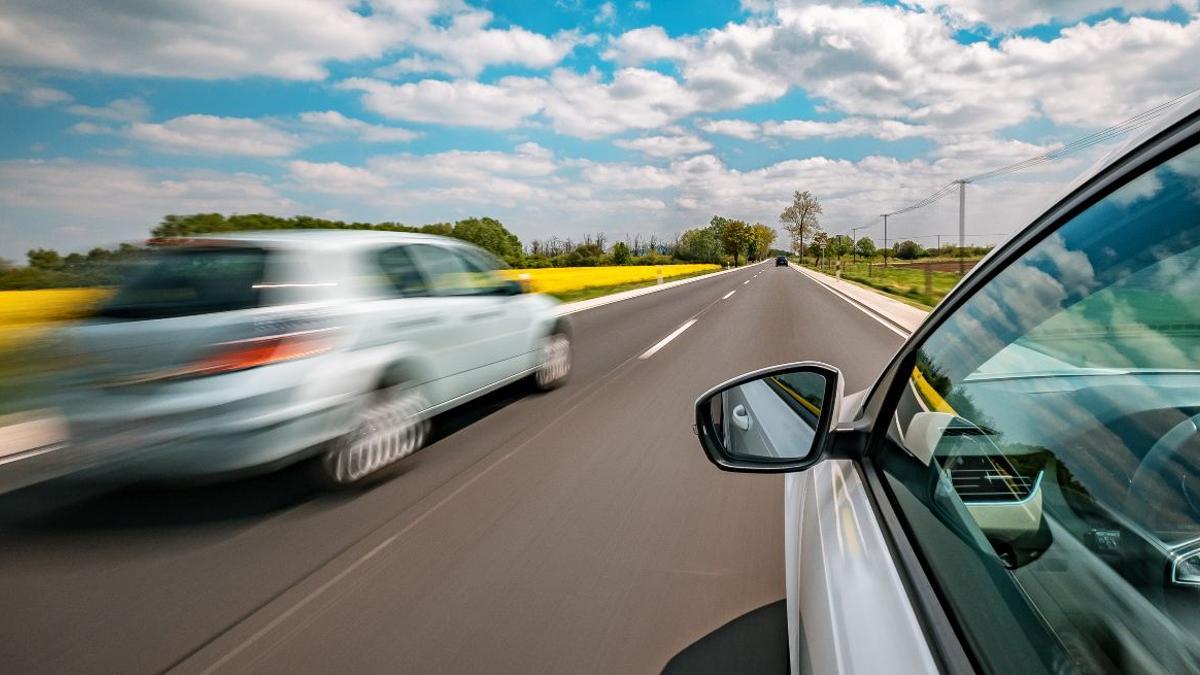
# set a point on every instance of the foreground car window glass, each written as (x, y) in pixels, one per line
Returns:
(1045, 450)
(187, 281)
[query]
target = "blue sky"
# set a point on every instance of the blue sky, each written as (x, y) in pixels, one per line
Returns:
(559, 118)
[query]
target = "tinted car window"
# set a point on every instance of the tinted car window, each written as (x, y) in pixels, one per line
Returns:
(186, 281)
(404, 278)
(451, 273)
(1045, 449)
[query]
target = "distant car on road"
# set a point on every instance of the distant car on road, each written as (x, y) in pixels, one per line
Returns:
(243, 353)
(1020, 489)
(781, 261)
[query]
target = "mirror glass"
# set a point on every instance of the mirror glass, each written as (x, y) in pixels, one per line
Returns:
(774, 417)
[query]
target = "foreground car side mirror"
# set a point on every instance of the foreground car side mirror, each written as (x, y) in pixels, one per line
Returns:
(772, 420)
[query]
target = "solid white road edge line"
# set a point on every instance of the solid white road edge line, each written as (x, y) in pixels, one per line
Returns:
(727, 295)
(663, 342)
(886, 323)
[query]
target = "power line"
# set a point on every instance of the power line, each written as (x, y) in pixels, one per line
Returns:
(1137, 121)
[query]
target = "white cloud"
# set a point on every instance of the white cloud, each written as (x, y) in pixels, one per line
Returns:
(606, 13)
(460, 102)
(742, 129)
(466, 46)
(890, 63)
(665, 146)
(641, 5)
(887, 130)
(40, 97)
(114, 202)
(293, 40)
(1021, 13)
(643, 45)
(335, 177)
(117, 110)
(636, 98)
(90, 129)
(200, 38)
(332, 121)
(211, 135)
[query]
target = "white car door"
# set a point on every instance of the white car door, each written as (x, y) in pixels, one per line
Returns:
(477, 318)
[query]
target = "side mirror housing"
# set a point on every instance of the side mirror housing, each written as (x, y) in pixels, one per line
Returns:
(774, 420)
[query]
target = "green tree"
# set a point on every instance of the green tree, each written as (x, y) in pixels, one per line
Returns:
(865, 247)
(800, 218)
(621, 254)
(761, 239)
(490, 234)
(840, 246)
(734, 235)
(700, 245)
(909, 250)
(44, 259)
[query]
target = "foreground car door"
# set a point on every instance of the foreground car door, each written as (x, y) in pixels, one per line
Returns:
(1040, 443)
(1020, 491)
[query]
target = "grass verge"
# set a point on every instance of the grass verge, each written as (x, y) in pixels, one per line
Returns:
(918, 287)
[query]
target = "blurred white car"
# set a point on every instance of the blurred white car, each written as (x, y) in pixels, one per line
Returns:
(242, 353)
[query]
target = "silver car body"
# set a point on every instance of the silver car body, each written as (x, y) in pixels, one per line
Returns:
(127, 415)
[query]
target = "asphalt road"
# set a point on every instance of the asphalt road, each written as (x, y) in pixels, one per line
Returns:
(578, 531)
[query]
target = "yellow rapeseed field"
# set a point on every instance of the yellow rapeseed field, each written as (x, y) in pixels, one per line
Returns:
(24, 313)
(567, 279)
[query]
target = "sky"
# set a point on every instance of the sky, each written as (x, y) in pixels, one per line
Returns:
(560, 118)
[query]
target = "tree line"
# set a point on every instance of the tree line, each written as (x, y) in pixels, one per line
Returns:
(801, 220)
(723, 241)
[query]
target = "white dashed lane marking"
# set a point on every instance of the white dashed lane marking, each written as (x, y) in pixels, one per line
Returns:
(665, 341)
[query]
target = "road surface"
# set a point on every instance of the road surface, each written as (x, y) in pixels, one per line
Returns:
(575, 532)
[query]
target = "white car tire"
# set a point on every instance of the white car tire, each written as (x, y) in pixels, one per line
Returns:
(389, 427)
(555, 366)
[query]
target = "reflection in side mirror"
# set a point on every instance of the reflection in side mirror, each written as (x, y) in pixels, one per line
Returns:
(777, 419)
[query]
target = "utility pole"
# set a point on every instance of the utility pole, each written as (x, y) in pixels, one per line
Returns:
(962, 225)
(885, 242)
(854, 242)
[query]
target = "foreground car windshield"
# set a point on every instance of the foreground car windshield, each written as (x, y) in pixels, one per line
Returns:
(187, 281)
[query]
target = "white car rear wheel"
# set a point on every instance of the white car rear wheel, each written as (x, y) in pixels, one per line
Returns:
(388, 428)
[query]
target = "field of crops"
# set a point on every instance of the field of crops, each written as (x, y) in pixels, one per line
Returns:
(564, 280)
(24, 313)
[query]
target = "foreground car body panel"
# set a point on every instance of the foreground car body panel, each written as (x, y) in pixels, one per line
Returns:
(842, 582)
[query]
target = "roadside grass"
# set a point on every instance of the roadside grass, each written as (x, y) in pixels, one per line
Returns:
(917, 286)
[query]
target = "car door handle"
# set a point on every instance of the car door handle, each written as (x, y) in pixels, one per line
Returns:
(484, 315)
